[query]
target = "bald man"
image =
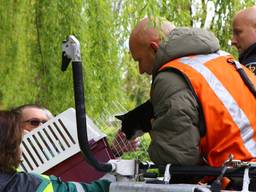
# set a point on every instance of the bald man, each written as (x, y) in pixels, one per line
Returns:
(244, 36)
(193, 110)
(175, 136)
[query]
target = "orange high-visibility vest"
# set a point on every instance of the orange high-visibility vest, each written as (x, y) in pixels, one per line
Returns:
(229, 108)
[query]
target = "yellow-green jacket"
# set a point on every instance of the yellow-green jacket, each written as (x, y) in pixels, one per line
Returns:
(28, 182)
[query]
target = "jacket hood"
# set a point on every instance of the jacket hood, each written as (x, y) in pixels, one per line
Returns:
(184, 42)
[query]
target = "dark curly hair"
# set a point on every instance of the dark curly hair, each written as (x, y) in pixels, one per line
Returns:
(10, 139)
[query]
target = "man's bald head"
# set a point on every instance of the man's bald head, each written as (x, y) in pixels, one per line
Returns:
(151, 29)
(244, 29)
(145, 40)
(248, 15)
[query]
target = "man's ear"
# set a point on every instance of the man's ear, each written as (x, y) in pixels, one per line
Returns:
(154, 45)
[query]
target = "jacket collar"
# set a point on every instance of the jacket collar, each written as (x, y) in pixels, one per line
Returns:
(249, 55)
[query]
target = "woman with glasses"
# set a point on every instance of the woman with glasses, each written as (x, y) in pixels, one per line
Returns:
(15, 181)
(32, 116)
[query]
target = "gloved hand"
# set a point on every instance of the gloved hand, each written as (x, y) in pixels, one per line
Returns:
(120, 144)
(138, 119)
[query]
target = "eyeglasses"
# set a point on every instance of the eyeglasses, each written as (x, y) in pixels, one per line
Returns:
(35, 122)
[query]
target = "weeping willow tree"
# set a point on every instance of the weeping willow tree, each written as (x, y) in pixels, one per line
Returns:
(30, 53)
(100, 56)
(32, 32)
(53, 21)
(16, 33)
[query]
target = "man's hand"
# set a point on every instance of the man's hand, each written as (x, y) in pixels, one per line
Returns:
(121, 145)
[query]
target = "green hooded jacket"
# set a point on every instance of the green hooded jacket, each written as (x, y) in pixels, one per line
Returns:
(175, 136)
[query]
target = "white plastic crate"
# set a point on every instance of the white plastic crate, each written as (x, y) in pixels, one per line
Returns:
(53, 142)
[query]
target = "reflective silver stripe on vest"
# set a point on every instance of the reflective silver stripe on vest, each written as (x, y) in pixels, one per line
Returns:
(79, 187)
(225, 97)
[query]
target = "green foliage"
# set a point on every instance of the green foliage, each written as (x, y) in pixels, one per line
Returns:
(142, 153)
(102, 76)
(14, 52)
(30, 53)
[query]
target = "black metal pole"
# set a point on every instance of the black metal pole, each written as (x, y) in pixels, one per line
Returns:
(81, 118)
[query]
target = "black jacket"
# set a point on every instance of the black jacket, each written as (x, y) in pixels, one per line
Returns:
(248, 58)
(18, 182)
